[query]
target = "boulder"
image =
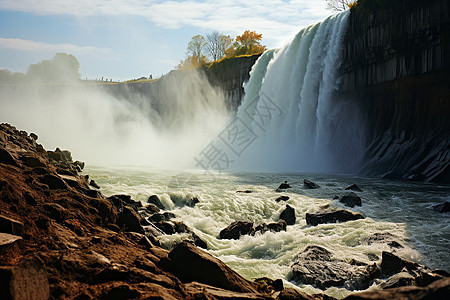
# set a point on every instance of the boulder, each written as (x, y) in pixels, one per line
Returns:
(308, 184)
(351, 200)
(94, 184)
(54, 182)
(391, 264)
(28, 280)
(158, 217)
(190, 264)
(105, 210)
(11, 226)
(439, 289)
(120, 200)
(34, 136)
(332, 217)
(152, 209)
(55, 211)
(236, 229)
(154, 199)
(198, 241)
(129, 219)
(288, 215)
(354, 187)
(6, 157)
(293, 294)
(282, 198)
(314, 265)
(443, 207)
(244, 191)
(272, 227)
(7, 239)
(397, 280)
(284, 186)
(79, 164)
(32, 161)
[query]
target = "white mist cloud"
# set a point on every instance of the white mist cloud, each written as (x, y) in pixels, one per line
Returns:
(28, 45)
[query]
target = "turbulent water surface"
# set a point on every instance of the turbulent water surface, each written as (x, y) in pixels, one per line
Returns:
(402, 209)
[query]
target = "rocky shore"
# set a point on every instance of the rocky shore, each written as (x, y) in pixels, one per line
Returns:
(60, 238)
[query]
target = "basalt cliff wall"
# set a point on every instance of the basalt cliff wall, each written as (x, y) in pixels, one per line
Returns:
(397, 66)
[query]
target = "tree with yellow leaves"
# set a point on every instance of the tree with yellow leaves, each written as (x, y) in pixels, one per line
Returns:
(246, 44)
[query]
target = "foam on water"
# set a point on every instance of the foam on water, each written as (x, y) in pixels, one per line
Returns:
(389, 207)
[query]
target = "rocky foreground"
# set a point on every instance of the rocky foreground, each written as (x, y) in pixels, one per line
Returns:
(60, 238)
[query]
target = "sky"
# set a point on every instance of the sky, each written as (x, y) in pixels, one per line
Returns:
(126, 39)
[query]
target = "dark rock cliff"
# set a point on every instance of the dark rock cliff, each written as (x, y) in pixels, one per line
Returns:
(397, 65)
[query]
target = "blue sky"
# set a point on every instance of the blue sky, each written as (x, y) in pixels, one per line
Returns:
(125, 39)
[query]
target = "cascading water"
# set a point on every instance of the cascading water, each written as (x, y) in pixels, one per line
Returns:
(291, 106)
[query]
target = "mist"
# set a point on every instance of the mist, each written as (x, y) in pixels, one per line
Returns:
(163, 124)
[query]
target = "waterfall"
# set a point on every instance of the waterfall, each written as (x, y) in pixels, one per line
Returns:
(291, 109)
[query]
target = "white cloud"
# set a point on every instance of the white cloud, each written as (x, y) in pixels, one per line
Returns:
(27, 45)
(276, 19)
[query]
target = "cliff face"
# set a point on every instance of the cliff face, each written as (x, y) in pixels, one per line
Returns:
(397, 65)
(230, 74)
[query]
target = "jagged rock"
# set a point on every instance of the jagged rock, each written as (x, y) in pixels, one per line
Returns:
(284, 186)
(158, 217)
(354, 187)
(236, 229)
(34, 136)
(332, 217)
(282, 198)
(210, 292)
(54, 182)
(293, 294)
(7, 239)
(154, 199)
(11, 226)
(442, 208)
(190, 264)
(121, 200)
(152, 209)
(32, 161)
(94, 184)
(79, 164)
(439, 289)
(397, 280)
(288, 215)
(6, 157)
(315, 265)
(60, 156)
(25, 281)
(105, 210)
(55, 211)
(129, 219)
(351, 200)
(391, 264)
(310, 185)
(198, 241)
(273, 227)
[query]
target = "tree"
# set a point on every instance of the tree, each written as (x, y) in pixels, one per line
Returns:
(218, 43)
(340, 5)
(196, 46)
(246, 44)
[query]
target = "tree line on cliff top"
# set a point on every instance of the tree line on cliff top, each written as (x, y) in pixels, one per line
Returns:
(201, 50)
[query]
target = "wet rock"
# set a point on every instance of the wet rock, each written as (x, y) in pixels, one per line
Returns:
(129, 219)
(391, 264)
(34, 136)
(54, 182)
(11, 226)
(158, 217)
(350, 200)
(236, 229)
(154, 199)
(60, 156)
(284, 186)
(442, 208)
(272, 227)
(190, 264)
(79, 164)
(332, 217)
(397, 280)
(152, 209)
(315, 266)
(105, 210)
(288, 215)
(204, 291)
(282, 198)
(94, 184)
(198, 241)
(245, 192)
(166, 227)
(55, 211)
(354, 187)
(27, 280)
(6, 157)
(439, 289)
(293, 294)
(308, 184)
